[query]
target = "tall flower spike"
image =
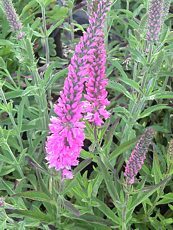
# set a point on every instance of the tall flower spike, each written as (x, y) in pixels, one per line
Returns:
(66, 138)
(96, 94)
(136, 160)
(13, 18)
(155, 20)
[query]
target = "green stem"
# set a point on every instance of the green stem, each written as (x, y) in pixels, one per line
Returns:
(137, 107)
(59, 202)
(15, 160)
(11, 79)
(127, 5)
(41, 97)
(124, 212)
(41, 100)
(72, 26)
(45, 35)
(46, 42)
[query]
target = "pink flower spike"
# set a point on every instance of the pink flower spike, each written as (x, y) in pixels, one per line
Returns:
(155, 20)
(13, 18)
(136, 160)
(96, 94)
(66, 135)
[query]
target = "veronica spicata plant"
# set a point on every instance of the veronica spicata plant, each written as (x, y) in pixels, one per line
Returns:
(112, 187)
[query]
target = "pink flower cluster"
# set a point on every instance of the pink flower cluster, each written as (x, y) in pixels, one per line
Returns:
(138, 155)
(66, 137)
(96, 94)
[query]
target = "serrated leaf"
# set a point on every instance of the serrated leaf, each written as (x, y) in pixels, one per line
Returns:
(108, 181)
(34, 195)
(56, 76)
(35, 214)
(116, 63)
(107, 211)
(156, 169)
(53, 27)
(166, 199)
(89, 218)
(120, 88)
(133, 84)
(152, 109)
(121, 149)
(69, 206)
(160, 95)
(145, 193)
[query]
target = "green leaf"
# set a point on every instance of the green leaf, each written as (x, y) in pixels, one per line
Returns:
(138, 56)
(122, 112)
(160, 95)
(166, 199)
(69, 206)
(57, 13)
(5, 170)
(116, 63)
(14, 94)
(121, 149)
(144, 193)
(33, 195)
(107, 211)
(53, 27)
(35, 214)
(156, 169)
(82, 165)
(30, 91)
(108, 181)
(55, 77)
(2, 63)
(152, 109)
(133, 84)
(120, 88)
(4, 42)
(20, 114)
(89, 218)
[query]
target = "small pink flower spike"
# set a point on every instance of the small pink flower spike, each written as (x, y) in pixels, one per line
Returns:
(13, 18)
(155, 20)
(136, 160)
(66, 137)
